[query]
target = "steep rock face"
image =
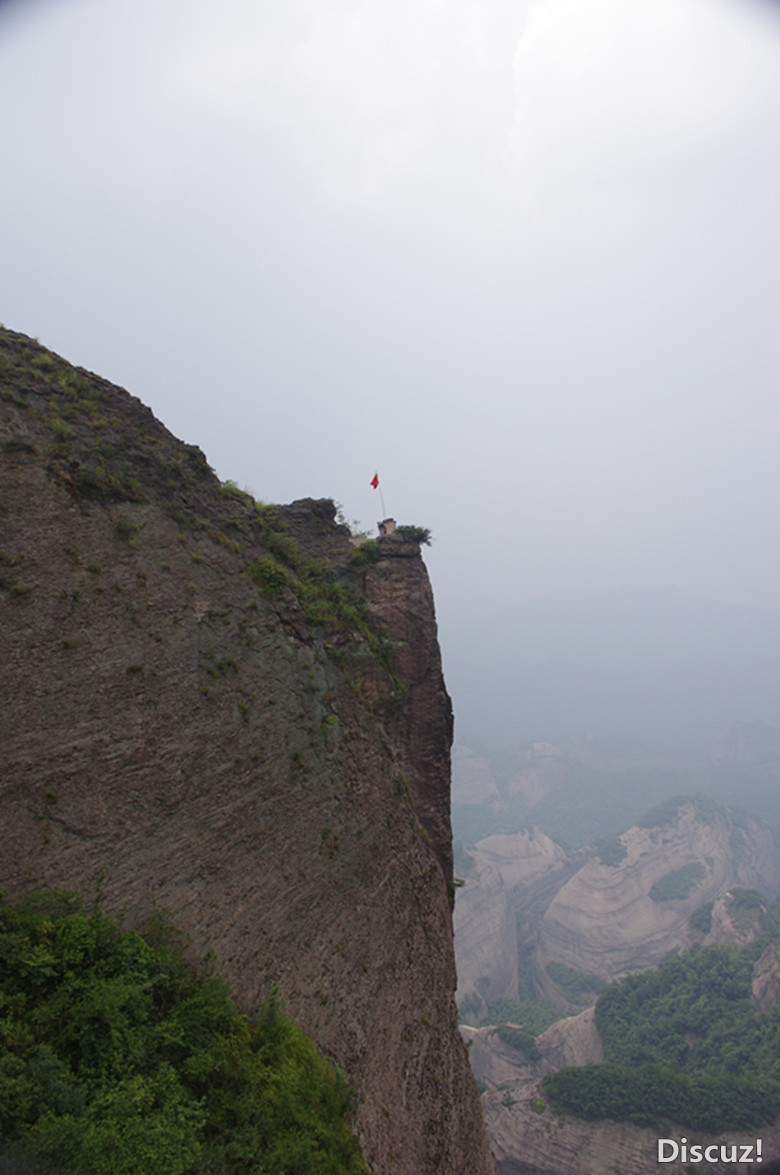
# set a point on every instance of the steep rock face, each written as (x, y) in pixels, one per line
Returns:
(604, 921)
(198, 716)
(401, 602)
(513, 875)
(485, 937)
(486, 908)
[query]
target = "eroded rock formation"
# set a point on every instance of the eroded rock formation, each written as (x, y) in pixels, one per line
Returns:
(609, 920)
(605, 920)
(509, 871)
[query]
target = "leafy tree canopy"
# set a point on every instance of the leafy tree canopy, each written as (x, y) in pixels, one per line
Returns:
(683, 1041)
(116, 1058)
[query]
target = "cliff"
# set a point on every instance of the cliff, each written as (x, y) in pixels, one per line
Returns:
(511, 875)
(603, 920)
(220, 710)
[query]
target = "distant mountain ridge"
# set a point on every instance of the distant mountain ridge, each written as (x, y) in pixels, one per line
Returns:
(659, 663)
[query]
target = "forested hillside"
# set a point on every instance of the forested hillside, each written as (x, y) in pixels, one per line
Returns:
(116, 1058)
(684, 1041)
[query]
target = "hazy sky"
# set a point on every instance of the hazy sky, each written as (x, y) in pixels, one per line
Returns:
(522, 258)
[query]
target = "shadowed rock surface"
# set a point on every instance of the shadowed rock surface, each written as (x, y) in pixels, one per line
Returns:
(215, 710)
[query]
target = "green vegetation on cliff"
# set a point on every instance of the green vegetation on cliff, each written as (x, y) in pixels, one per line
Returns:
(677, 885)
(683, 1041)
(116, 1058)
(107, 448)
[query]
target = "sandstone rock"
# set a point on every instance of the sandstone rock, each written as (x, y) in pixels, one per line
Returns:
(726, 926)
(604, 922)
(530, 1139)
(472, 779)
(182, 730)
(520, 857)
(572, 1041)
(485, 937)
(765, 991)
(486, 945)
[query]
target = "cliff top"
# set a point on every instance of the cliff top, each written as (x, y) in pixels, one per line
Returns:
(224, 710)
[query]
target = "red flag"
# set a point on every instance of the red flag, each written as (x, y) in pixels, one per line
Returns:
(375, 481)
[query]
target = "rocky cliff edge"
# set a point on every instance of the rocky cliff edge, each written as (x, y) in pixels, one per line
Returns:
(219, 710)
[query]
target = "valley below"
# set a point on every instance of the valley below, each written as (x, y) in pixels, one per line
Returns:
(541, 930)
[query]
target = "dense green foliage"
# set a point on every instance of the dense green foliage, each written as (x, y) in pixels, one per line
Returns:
(520, 1039)
(676, 886)
(415, 534)
(118, 1059)
(578, 987)
(714, 1102)
(683, 1042)
(700, 921)
(611, 851)
(368, 552)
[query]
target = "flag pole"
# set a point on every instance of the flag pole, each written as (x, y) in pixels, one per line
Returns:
(376, 485)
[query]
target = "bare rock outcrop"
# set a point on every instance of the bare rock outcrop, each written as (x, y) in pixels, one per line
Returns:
(572, 1041)
(609, 920)
(496, 1064)
(472, 779)
(765, 988)
(520, 857)
(486, 907)
(213, 709)
(531, 1139)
